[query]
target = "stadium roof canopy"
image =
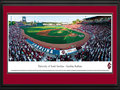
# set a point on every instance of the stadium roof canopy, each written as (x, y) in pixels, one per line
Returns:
(96, 17)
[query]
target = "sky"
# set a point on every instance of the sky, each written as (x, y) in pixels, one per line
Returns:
(49, 18)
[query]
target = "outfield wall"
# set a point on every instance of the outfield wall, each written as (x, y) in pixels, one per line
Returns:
(51, 51)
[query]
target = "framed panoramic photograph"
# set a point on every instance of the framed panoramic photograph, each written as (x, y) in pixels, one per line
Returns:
(60, 44)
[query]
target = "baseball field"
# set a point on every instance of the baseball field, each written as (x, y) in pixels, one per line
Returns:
(54, 34)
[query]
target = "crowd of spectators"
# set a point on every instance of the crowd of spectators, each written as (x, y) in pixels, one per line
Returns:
(98, 47)
(19, 49)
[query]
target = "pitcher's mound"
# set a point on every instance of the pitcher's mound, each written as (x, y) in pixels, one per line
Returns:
(73, 35)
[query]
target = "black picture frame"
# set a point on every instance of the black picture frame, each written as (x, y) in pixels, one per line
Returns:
(58, 3)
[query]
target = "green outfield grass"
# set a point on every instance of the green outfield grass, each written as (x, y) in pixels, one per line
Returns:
(61, 32)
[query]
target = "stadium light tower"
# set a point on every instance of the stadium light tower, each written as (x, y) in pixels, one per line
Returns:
(23, 19)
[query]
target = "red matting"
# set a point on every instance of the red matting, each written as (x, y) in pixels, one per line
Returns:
(59, 78)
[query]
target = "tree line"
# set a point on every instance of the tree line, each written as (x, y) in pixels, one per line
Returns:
(11, 22)
(76, 21)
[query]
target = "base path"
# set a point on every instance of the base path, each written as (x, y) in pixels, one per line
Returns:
(60, 46)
